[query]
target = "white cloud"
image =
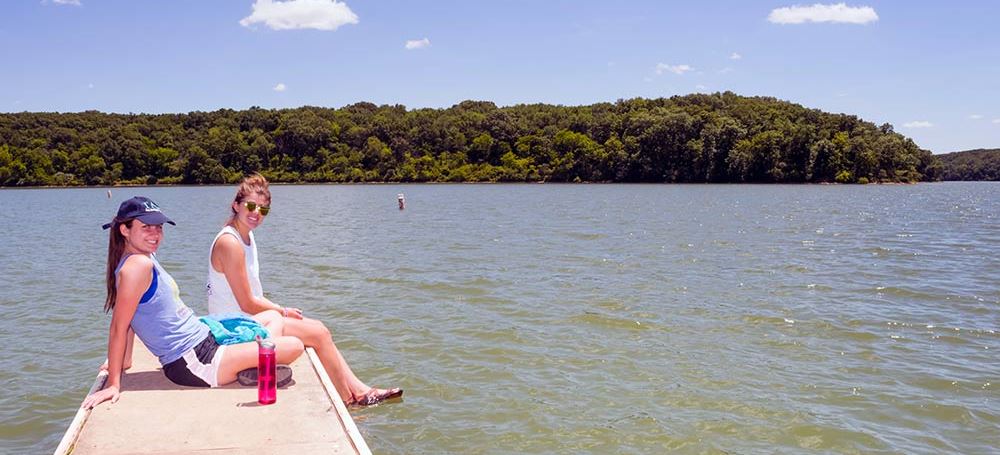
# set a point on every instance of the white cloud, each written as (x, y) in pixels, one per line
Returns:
(280, 87)
(996, 120)
(838, 12)
(417, 44)
(726, 70)
(918, 124)
(975, 116)
(676, 69)
(295, 14)
(700, 87)
(91, 85)
(67, 2)
(735, 56)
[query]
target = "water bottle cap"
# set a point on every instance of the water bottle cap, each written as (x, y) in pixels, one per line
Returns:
(267, 345)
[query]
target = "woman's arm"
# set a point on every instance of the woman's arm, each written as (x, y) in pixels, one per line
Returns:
(130, 337)
(133, 279)
(129, 341)
(228, 257)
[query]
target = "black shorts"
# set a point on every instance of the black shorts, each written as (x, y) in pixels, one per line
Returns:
(198, 367)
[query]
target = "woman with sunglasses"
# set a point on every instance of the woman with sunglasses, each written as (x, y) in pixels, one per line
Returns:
(234, 286)
(144, 301)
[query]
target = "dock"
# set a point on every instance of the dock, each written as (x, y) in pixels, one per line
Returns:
(156, 416)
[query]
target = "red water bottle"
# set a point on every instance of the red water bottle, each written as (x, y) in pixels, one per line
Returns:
(267, 386)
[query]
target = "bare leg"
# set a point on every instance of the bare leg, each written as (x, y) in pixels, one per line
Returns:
(238, 357)
(315, 335)
(272, 321)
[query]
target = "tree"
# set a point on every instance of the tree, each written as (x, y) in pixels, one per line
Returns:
(88, 166)
(720, 137)
(202, 168)
(482, 148)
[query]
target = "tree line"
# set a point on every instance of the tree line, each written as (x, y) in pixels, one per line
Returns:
(721, 137)
(979, 164)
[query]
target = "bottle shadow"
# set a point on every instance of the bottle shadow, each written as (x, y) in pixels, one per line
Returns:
(249, 404)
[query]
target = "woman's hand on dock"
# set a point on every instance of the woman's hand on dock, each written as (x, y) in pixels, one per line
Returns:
(104, 366)
(111, 393)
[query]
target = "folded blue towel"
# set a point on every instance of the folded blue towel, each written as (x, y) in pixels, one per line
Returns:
(233, 328)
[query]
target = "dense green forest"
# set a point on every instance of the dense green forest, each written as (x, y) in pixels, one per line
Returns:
(720, 137)
(979, 164)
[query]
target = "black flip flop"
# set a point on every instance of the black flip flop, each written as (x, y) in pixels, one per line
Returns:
(248, 377)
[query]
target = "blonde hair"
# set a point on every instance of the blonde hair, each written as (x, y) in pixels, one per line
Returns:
(251, 184)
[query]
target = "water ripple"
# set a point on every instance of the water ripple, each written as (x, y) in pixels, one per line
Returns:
(577, 319)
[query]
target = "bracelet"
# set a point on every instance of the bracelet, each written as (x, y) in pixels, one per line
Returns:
(284, 312)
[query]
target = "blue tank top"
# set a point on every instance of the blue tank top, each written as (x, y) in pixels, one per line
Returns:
(162, 321)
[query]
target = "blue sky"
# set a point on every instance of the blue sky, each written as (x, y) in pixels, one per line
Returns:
(932, 69)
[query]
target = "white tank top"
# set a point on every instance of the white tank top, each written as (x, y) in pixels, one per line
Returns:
(220, 296)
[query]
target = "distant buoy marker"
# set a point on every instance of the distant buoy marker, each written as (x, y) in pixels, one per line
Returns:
(402, 201)
(109, 194)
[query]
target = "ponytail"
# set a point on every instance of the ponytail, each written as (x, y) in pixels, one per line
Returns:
(116, 249)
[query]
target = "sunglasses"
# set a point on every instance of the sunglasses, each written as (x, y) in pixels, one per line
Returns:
(252, 207)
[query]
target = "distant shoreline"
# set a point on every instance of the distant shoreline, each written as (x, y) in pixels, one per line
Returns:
(701, 138)
(207, 185)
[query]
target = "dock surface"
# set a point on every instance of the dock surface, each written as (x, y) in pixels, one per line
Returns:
(156, 416)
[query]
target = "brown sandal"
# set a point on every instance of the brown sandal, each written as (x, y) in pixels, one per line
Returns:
(373, 397)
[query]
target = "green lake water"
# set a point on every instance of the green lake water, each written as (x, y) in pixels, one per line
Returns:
(571, 318)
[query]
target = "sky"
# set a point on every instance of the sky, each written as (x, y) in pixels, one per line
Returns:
(930, 68)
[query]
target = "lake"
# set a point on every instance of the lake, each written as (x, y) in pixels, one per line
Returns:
(571, 318)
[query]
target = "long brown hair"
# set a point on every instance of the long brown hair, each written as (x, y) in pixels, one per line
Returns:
(116, 249)
(251, 184)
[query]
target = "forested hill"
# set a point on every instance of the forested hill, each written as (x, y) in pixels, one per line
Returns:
(979, 164)
(721, 137)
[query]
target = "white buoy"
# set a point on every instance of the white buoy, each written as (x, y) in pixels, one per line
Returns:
(402, 201)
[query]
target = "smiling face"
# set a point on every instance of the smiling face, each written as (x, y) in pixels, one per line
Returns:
(141, 238)
(247, 218)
